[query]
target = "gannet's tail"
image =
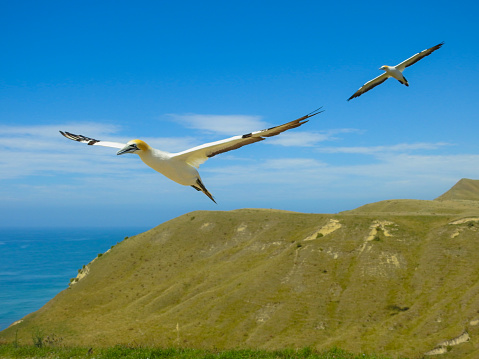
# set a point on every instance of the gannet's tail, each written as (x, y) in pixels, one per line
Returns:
(201, 187)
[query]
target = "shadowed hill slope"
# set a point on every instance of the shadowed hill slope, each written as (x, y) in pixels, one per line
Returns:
(396, 283)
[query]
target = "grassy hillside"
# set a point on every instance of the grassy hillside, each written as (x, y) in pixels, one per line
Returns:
(396, 278)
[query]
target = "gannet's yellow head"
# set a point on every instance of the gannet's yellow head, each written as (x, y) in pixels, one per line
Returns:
(134, 146)
(384, 67)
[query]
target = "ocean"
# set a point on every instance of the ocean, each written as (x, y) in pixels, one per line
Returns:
(37, 264)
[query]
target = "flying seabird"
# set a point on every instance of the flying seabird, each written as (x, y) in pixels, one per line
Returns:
(395, 71)
(181, 167)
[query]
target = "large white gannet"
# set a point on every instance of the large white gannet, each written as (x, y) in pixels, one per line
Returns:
(395, 71)
(181, 167)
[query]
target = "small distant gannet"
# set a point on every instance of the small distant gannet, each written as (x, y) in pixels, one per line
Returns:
(181, 167)
(395, 71)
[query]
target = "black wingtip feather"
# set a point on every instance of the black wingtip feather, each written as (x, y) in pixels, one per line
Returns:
(315, 112)
(311, 114)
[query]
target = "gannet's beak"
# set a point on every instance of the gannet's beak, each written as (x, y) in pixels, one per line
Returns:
(128, 149)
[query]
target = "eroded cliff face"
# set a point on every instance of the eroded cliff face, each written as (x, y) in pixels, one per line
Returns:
(401, 284)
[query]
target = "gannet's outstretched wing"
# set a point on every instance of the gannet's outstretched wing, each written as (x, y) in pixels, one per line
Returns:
(370, 85)
(413, 59)
(197, 155)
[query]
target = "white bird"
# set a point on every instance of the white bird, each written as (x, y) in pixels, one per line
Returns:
(182, 167)
(395, 71)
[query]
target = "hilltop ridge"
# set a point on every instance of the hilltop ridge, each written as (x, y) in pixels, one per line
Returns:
(464, 189)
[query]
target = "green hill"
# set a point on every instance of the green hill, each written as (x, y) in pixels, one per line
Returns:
(397, 277)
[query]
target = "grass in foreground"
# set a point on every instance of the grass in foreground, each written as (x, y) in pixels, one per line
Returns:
(12, 351)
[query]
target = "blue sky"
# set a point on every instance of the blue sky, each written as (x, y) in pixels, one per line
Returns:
(181, 73)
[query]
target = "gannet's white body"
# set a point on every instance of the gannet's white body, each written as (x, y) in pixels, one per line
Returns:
(395, 71)
(166, 163)
(182, 167)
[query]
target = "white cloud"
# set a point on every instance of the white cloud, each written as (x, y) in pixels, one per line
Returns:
(291, 164)
(52, 131)
(229, 125)
(371, 150)
(298, 139)
(307, 138)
